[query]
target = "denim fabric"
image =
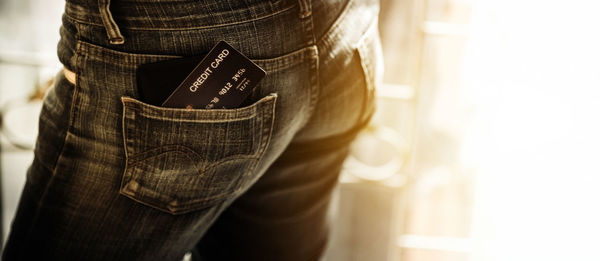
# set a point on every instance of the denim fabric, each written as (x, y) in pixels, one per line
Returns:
(115, 178)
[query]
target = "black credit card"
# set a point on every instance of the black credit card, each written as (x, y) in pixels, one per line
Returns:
(223, 79)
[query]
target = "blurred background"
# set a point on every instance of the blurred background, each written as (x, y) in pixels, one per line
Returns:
(485, 145)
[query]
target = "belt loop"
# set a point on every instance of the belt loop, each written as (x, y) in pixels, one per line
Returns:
(112, 29)
(305, 8)
(306, 19)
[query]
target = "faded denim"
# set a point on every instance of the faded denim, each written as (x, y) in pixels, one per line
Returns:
(115, 178)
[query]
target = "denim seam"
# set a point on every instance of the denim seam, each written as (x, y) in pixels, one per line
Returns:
(126, 59)
(265, 138)
(172, 118)
(267, 132)
(190, 205)
(74, 100)
(314, 87)
(306, 21)
(127, 121)
(62, 149)
(332, 31)
(186, 28)
(182, 208)
(267, 125)
(103, 53)
(157, 151)
(178, 114)
(125, 151)
(135, 162)
(287, 60)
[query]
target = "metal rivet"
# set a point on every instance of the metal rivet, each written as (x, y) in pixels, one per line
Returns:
(133, 186)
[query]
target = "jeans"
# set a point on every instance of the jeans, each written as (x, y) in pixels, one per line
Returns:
(115, 178)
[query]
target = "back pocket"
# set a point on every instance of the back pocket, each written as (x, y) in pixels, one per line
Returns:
(181, 160)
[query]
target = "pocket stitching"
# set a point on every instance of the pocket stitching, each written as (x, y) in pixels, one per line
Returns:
(180, 114)
(175, 207)
(180, 208)
(157, 151)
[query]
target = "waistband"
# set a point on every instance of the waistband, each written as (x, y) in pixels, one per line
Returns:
(174, 14)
